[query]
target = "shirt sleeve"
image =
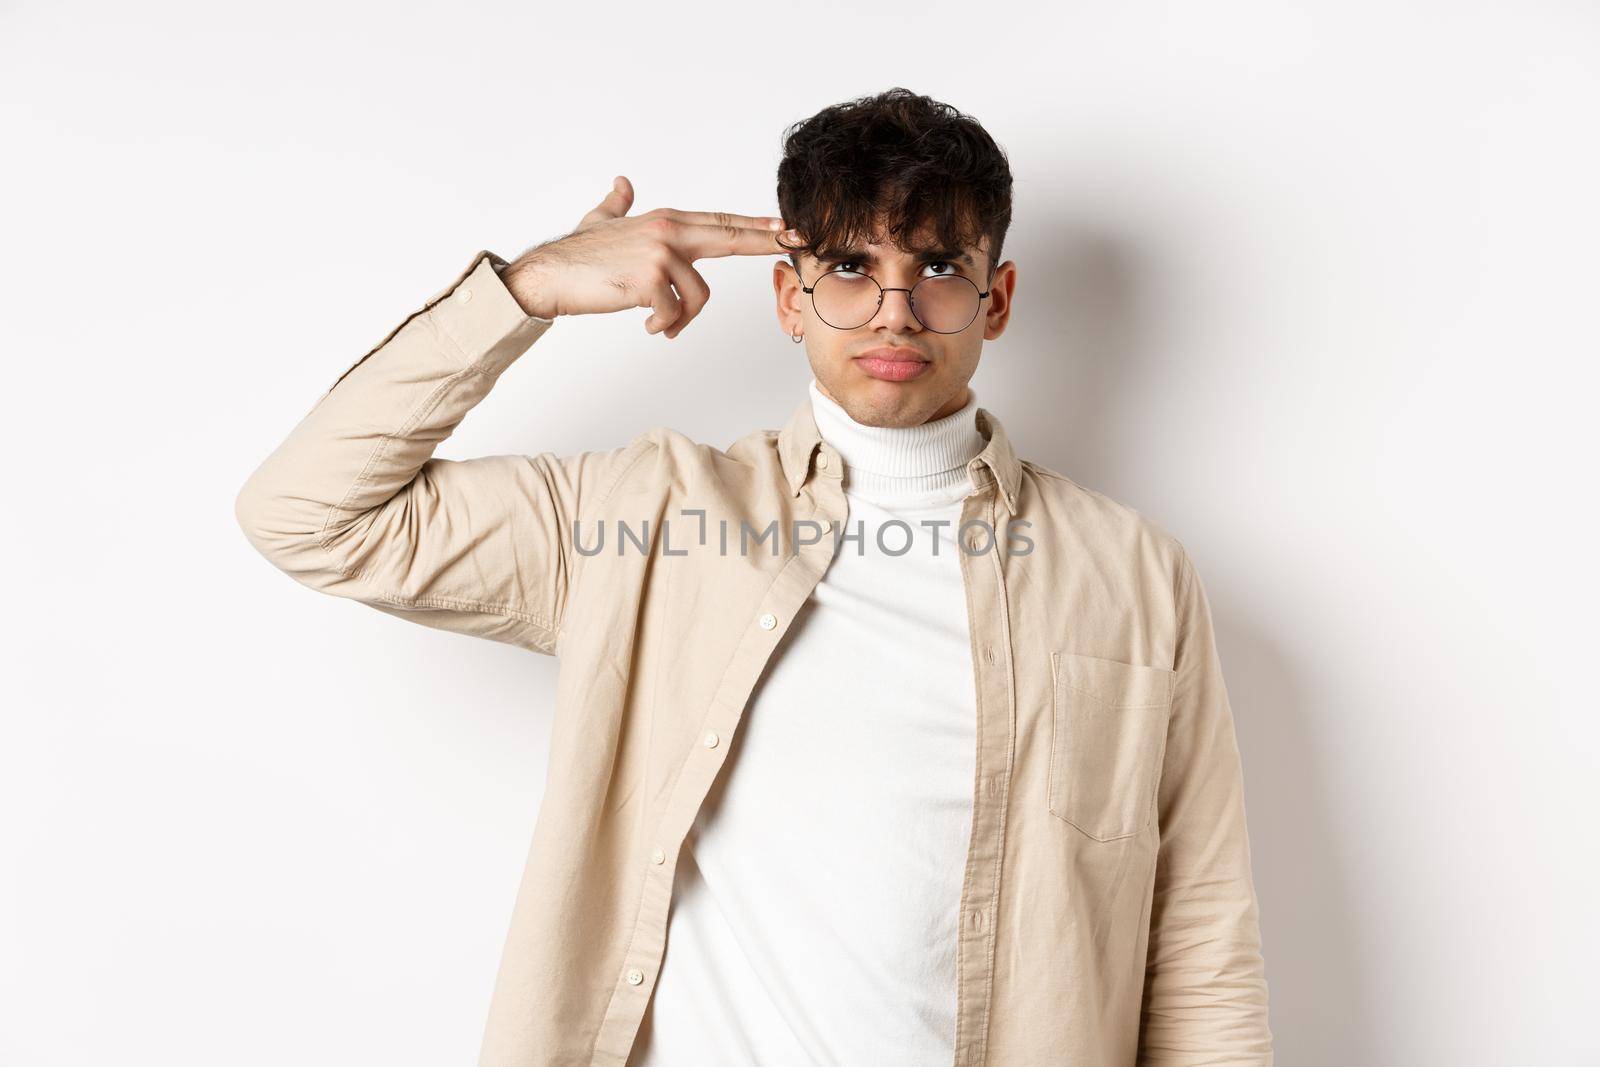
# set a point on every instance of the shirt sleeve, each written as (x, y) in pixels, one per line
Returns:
(1205, 987)
(353, 504)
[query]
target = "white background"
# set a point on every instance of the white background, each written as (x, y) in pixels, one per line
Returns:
(1312, 285)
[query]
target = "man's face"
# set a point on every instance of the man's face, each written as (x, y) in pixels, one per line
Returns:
(863, 370)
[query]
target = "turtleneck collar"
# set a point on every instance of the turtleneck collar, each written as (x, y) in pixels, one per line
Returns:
(896, 461)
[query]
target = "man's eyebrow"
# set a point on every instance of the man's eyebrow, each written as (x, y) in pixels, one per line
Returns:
(858, 256)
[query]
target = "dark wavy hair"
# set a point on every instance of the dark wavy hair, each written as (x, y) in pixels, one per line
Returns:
(917, 164)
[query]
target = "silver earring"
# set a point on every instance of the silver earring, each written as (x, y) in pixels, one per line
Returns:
(795, 337)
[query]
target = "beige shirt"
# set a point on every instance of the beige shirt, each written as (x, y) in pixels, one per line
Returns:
(1108, 914)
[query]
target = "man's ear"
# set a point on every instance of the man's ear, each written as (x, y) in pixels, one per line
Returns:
(787, 288)
(1002, 288)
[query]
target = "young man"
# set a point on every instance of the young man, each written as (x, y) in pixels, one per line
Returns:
(982, 803)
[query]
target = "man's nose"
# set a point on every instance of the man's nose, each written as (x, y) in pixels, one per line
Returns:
(894, 313)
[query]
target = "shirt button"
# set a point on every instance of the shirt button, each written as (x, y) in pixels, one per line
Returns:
(768, 621)
(658, 856)
(711, 739)
(988, 653)
(635, 976)
(822, 461)
(465, 295)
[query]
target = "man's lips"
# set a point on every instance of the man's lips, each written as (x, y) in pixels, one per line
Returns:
(891, 364)
(894, 355)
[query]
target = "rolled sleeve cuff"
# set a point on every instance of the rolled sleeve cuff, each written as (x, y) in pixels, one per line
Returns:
(478, 315)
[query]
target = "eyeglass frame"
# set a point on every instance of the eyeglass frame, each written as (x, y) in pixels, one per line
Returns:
(810, 290)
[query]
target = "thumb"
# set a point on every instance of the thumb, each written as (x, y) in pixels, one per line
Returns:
(615, 204)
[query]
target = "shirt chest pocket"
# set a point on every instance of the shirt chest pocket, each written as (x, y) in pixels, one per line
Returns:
(1108, 736)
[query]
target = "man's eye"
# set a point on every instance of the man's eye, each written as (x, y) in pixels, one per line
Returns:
(851, 266)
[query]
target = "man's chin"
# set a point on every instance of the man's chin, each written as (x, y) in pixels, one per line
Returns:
(878, 403)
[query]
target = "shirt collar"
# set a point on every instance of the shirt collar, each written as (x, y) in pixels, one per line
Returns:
(799, 439)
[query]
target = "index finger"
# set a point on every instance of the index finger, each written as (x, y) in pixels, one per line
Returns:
(722, 218)
(698, 241)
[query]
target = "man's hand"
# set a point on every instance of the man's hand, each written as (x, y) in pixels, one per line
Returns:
(612, 262)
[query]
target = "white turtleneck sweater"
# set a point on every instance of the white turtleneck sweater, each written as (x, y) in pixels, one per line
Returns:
(814, 912)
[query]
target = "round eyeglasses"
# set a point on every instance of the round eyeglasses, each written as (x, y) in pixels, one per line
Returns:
(847, 300)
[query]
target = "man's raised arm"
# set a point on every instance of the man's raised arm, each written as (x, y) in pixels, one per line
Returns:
(353, 503)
